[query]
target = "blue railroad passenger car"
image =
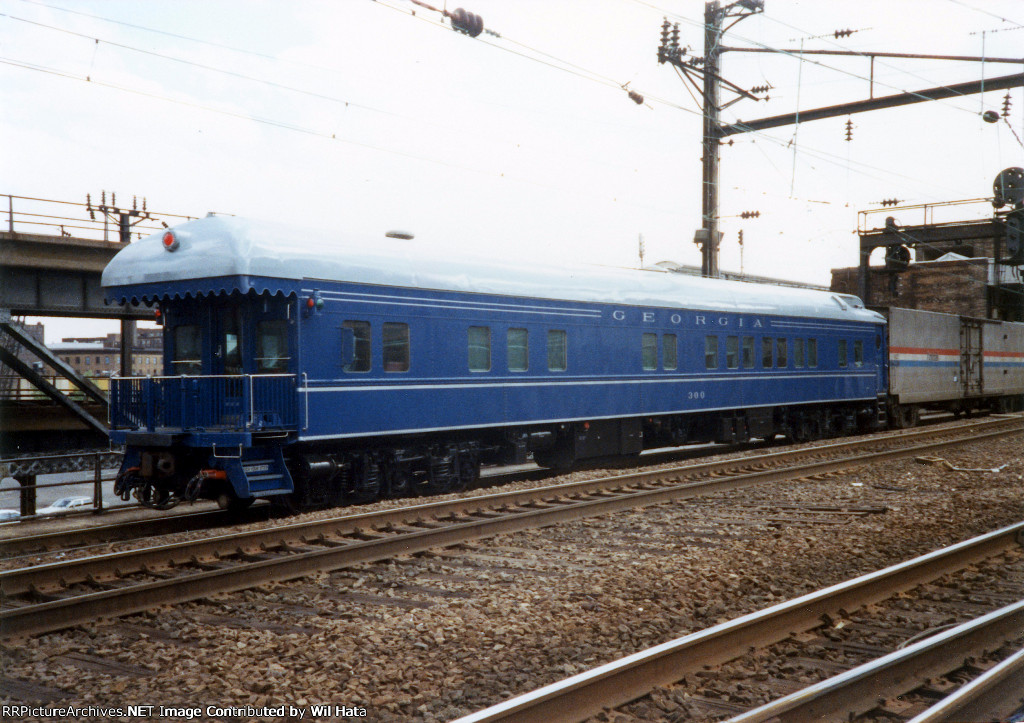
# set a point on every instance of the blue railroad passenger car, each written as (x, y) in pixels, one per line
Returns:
(313, 369)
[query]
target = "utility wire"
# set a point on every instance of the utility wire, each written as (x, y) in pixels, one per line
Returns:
(582, 73)
(987, 12)
(311, 132)
(701, 25)
(212, 69)
(268, 83)
(562, 64)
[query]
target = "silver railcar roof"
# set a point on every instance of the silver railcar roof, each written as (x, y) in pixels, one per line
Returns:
(223, 247)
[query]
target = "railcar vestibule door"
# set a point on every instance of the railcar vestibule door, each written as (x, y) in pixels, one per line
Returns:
(229, 332)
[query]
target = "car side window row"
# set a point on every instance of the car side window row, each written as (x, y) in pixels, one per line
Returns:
(775, 352)
(396, 351)
(517, 349)
(844, 356)
(395, 355)
(669, 351)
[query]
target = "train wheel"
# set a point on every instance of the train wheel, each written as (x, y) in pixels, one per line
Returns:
(233, 504)
(906, 416)
(469, 471)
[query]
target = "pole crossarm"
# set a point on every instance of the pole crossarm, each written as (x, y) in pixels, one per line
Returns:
(874, 54)
(889, 101)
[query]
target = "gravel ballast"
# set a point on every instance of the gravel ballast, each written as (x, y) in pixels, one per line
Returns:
(436, 636)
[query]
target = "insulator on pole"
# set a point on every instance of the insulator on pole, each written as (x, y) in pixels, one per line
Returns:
(466, 22)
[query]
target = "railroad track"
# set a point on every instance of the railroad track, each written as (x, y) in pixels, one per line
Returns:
(167, 524)
(905, 684)
(882, 689)
(59, 595)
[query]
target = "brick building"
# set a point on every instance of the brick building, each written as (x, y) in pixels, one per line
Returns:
(101, 356)
(949, 266)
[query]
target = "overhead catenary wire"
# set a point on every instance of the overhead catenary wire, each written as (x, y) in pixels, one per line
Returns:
(346, 103)
(986, 12)
(583, 75)
(284, 125)
(561, 64)
(700, 25)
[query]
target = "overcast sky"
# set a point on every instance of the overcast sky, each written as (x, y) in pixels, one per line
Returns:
(369, 116)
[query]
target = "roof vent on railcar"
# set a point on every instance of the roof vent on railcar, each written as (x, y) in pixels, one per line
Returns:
(403, 235)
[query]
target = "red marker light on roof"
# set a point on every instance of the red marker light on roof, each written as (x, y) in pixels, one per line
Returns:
(170, 241)
(310, 302)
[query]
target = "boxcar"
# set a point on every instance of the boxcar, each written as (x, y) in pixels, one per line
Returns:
(955, 363)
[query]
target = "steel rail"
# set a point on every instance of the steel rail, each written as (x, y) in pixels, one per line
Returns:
(61, 613)
(990, 696)
(858, 690)
(629, 678)
(165, 524)
(169, 524)
(53, 576)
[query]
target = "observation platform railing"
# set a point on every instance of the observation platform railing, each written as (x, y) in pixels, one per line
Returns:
(242, 402)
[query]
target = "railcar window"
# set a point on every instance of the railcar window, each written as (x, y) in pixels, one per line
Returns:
(518, 350)
(188, 347)
(272, 346)
(231, 351)
(479, 348)
(780, 353)
(732, 352)
(670, 352)
(812, 353)
(766, 353)
(858, 353)
(711, 352)
(748, 352)
(361, 336)
(798, 353)
(396, 346)
(649, 348)
(842, 352)
(558, 353)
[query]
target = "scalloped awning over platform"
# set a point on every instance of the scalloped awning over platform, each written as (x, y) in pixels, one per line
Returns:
(150, 294)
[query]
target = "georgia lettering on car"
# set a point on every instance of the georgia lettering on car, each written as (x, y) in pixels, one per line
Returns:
(651, 317)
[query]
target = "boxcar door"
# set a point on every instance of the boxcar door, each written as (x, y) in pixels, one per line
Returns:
(971, 366)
